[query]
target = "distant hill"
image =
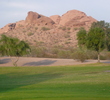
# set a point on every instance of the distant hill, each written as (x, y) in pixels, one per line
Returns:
(52, 31)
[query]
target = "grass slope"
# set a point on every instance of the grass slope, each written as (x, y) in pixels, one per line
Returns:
(85, 82)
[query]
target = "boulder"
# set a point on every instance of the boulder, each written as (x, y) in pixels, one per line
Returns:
(8, 27)
(11, 26)
(35, 18)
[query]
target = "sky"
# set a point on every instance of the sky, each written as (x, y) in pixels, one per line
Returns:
(12, 11)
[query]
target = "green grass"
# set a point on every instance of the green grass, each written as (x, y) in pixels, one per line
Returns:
(84, 82)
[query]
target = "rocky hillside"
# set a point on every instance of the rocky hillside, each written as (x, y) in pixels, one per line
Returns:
(52, 31)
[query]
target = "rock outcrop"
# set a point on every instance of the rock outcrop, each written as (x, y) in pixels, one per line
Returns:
(72, 15)
(75, 18)
(40, 20)
(56, 18)
(8, 27)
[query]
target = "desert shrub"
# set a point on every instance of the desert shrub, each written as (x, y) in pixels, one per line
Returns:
(58, 46)
(55, 51)
(108, 55)
(45, 28)
(75, 29)
(42, 52)
(39, 43)
(91, 54)
(38, 51)
(68, 32)
(30, 34)
(64, 54)
(66, 35)
(69, 39)
(56, 41)
(60, 28)
(36, 28)
(24, 31)
(68, 28)
(63, 28)
(67, 42)
(61, 53)
(79, 55)
(105, 55)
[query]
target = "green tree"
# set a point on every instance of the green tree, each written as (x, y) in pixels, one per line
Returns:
(106, 27)
(13, 47)
(107, 37)
(96, 40)
(81, 37)
(100, 24)
(98, 37)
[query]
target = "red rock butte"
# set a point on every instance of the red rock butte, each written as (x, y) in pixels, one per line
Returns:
(59, 25)
(72, 18)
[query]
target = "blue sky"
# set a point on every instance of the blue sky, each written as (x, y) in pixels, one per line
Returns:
(15, 10)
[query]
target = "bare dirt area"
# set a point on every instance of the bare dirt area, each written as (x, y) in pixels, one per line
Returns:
(30, 61)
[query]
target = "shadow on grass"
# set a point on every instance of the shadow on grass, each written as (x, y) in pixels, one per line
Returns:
(4, 61)
(39, 63)
(11, 81)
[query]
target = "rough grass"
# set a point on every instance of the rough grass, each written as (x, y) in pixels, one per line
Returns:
(84, 82)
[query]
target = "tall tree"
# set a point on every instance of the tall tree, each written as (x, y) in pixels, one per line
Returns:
(96, 40)
(81, 37)
(98, 37)
(107, 38)
(13, 47)
(106, 27)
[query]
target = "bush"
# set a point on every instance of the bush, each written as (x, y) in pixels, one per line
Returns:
(45, 28)
(66, 35)
(55, 51)
(36, 28)
(37, 52)
(30, 33)
(108, 55)
(67, 42)
(39, 43)
(75, 29)
(64, 54)
(79, 56)
(68, 28)
(91, 54)
(105, 55)
(62, 28)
